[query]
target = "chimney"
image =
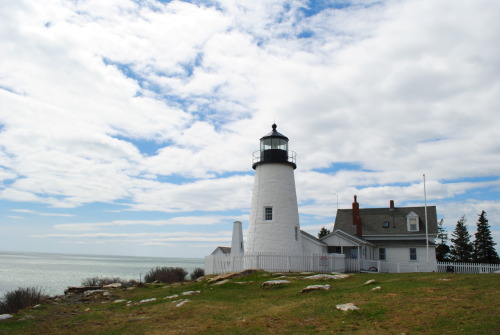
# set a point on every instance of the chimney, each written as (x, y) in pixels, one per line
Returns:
(391, 204)
(237, 241)
(356, 218)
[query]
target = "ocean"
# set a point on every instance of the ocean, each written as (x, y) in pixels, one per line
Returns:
(53, 273)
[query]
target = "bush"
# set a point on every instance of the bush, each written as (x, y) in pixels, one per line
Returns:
(197, 273)
(14, 301)
(165, 275)
(101, 281)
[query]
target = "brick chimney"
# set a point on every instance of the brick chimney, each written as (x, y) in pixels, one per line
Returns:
(356, 218)
(391, 204)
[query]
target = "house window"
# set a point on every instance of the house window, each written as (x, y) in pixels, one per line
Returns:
(386, 224)
(412, 221)
(268, 213)
(296, 233)
(381, 254)
(413, 254)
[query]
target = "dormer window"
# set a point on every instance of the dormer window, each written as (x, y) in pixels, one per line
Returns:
(412, 221)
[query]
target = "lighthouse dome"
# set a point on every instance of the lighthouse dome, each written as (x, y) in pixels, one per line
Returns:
(274, 149)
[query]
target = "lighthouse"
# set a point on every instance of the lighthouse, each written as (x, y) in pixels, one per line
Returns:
(274, 217)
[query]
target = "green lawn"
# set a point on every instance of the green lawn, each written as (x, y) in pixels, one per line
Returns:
(416, 303)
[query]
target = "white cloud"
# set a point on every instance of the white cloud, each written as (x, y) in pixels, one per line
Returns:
(398, 88)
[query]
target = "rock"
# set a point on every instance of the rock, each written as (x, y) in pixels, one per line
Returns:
(191, 292)
(106, 294)
(371, 281)
(347, 307)
(326, 276)
(113, 285)
(182, 303)
(118, 301)
(172, 296)
(315, 288)
(275, 282)
(5, 316)
(376, 288)
(222, 282)
(89, 293)
(147, 300)
(81, 289)
(230, 275)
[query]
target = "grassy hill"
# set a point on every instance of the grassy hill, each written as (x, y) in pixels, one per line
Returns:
(416, 303)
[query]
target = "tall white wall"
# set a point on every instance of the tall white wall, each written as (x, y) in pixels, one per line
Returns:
(237, 241)
(274, 186)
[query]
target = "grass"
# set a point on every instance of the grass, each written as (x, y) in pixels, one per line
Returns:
(417, 303)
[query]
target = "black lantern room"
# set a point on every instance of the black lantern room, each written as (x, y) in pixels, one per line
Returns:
(274, 149)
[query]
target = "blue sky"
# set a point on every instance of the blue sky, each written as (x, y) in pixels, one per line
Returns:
(128, 127)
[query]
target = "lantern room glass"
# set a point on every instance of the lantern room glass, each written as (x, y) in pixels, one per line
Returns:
(274, 143)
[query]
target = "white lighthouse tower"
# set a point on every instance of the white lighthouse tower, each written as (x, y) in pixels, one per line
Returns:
(274, 217)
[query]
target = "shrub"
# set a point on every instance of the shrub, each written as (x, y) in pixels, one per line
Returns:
(197, 273)
(165, 275)
(14, 301)
(101, 281)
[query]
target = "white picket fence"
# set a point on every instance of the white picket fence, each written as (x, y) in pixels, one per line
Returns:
(467, 267)
(275, 262)
(356, 265)
(281, 262)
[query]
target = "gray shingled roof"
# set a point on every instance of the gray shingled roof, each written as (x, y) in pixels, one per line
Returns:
(373, 219)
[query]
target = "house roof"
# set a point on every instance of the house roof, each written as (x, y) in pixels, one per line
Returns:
(349, 237)
(372, 221)
(225, 250)
(314, 238)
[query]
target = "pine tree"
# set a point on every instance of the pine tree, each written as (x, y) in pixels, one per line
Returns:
(442, 249)
(484, 247)
(323, 232)
(461, 249)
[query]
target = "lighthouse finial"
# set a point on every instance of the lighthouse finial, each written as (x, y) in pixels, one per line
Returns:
(274, 126)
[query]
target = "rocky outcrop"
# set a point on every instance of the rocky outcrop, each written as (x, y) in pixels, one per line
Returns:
(347, 307)
(315, 288)
(275, 282)
(230, 275)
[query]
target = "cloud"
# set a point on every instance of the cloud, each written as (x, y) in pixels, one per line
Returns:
(158, 107)
(177, 221)
(29, 211)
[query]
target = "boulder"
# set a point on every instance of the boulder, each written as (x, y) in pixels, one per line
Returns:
(81, 289)
(191, 292)
(230, 275)
(371, 281)
(275, 282)
(376, 288)
(147, 300)
(113, 285)
(181, 303)
(315, 288)
(347, 307)
(5, 316)
(326, 277)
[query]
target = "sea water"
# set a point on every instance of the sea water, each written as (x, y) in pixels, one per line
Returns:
(53, 273)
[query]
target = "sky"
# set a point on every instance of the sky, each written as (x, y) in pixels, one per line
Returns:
(128, 127)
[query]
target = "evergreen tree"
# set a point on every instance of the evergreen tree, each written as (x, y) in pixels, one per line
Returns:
(484, 247)
(461, 249)
(442, 249)
(323, 232)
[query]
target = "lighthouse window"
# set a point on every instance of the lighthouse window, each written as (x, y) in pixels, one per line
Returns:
(274, 143)
(268, 213)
